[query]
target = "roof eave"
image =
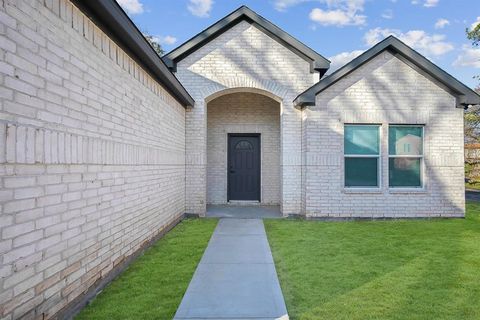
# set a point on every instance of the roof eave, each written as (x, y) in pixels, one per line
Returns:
(305, 100)
(110, 17)
(466, 101)
(321, 66)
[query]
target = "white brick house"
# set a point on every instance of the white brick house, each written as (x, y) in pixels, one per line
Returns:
(238, 64)
(103, 148)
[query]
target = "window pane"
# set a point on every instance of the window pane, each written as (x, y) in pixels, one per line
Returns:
(243, 145)
(405, 172)
(404, 140)
(361, 139)
(361, 172)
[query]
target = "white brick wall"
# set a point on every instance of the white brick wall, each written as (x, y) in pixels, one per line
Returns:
(243, 113)
(384, 91)
(244, 57)
(92, 156)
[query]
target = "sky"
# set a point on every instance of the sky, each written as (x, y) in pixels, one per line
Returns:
(339, 30)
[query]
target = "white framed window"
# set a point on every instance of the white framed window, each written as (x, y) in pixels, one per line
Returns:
(362, 156)
(405, 156)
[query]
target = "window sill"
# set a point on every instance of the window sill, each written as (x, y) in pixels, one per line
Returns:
(408, 190)
(362, 190)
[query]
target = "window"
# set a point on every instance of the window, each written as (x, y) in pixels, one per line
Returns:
(362, 155)
(243, 145)
(405, 149)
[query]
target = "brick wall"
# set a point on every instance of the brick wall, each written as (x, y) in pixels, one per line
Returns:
(243, 113)
(384, 91)
(92, 154)
(244, 57)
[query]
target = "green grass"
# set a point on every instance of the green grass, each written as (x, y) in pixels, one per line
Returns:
(153, 286)
(475, 185)
(406, 269)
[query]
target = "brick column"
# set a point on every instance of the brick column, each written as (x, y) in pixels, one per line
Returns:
(196, 159)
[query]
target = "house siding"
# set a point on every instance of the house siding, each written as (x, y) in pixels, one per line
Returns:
(384, 91)
(244, 57)
(243, 113)
(92, 154)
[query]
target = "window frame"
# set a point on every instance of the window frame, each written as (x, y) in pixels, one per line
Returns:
(377, 156)
(421, 157)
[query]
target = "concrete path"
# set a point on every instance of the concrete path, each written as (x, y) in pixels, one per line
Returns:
(472, 195)
(236, 277)
(243, 212)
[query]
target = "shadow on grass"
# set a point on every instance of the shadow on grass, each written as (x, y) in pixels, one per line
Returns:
(407, 269)
(153, 286)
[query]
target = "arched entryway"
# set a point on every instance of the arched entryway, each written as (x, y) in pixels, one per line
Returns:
(243, 148)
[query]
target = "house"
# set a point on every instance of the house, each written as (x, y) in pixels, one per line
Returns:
(472, 152)
(105, 146)
(324, 148)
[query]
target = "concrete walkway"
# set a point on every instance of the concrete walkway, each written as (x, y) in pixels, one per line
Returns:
(472, 195)
(236, 277)
(243, 212)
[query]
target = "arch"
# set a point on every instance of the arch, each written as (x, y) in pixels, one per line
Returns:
(256, 111)
(261, 86)
(225, 92)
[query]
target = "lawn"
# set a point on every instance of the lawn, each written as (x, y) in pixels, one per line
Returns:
(472, 176)
(406, 269)
(153, 286)
(470, 185)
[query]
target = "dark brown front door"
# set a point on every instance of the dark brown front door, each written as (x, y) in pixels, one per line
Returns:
(244, 167)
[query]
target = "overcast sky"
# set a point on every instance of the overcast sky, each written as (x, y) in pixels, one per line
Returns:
(338, 29)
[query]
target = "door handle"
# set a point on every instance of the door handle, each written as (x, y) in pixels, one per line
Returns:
(232, 171)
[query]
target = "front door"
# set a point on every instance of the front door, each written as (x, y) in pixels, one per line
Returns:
(243, 167)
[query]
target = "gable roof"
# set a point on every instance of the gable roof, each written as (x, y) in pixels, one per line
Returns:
(465, 95)
(111, 18)
(317, 61)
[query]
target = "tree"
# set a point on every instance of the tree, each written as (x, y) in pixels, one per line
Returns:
(472, 138)
(474, 35)
(472, 115)
(472, 123)
(154, 43)
(472, 118)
